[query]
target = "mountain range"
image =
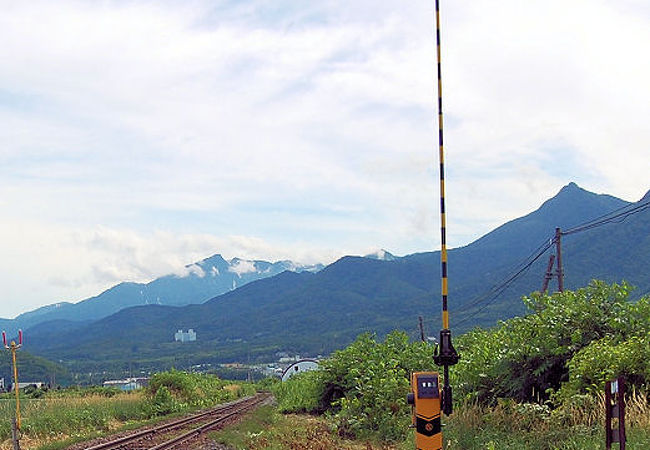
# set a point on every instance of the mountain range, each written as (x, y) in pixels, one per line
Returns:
(315, 312)
(200, 282)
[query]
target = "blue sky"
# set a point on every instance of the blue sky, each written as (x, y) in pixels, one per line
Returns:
(137, 137)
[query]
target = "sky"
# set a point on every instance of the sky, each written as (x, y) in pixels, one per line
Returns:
(140, 136)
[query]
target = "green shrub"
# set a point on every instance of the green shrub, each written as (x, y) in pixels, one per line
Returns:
(192, 390)
(583, 337)
(574, 340)
(362, 387)
(303, 393)
(267, 384)
(163, 402)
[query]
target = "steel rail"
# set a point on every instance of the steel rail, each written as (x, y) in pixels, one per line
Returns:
(244, 404)
(201, 429)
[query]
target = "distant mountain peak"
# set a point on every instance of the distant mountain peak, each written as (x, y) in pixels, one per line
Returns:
(381, 255)
(573, 189)
(212, 260)
(573, 196)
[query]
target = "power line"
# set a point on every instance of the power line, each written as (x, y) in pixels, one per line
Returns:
(609, 218)
(519, 268)
(496, 291)
(617, 216)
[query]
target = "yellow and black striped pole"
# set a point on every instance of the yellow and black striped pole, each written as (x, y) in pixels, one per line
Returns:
(446, 354)
(443, 219)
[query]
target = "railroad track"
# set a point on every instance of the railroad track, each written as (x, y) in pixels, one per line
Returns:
(172, 434)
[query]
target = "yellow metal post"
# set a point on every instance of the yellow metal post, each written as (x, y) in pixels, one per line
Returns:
(14, 347)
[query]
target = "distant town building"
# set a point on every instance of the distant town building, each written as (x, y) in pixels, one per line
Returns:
(128, 384)
(181, 336)
(289, 359)
(38, 384)
(2, 384)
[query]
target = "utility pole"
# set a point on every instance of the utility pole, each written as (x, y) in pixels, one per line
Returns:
(15, 431)
(558, 249)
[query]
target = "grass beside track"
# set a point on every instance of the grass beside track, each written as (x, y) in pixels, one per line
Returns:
(521, 426)
(61, 418)
(71, 418)
(506, 426)
(265, 428)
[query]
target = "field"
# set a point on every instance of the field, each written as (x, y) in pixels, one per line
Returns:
(59, 418)
(70, 418)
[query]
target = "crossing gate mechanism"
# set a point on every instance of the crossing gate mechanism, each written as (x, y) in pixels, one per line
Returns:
(426, 402)
(427, 397)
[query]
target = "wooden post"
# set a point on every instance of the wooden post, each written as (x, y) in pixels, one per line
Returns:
(608, 415)
(15, 425)
(14, 434)
(621, 413)
(421, 325)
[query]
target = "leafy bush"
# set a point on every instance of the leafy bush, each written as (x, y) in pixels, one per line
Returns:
(163, 402)
(175, 391)
(267, 384)
(32, 391)
(583, 337)
(604, 360)
(363, 387)
(88, 391)
(574, 340)
(302, 393)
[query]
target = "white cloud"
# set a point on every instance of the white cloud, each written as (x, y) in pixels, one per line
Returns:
(48, 263)
(193, 269)
(241, 267)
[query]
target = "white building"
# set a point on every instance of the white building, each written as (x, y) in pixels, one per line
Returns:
(128, 384)
(38, 384)
(181, 336)
(2, 384)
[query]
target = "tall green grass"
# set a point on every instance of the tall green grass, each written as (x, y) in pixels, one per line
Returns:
(75, 414)
(577, 425)
(53, 417)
